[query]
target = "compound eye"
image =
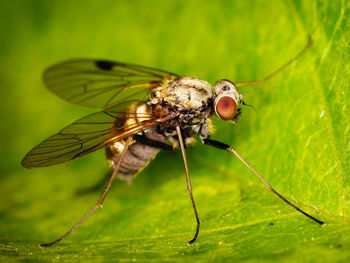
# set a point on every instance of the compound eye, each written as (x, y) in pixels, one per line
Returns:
(226, 108)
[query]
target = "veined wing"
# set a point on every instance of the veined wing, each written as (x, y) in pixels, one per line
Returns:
(102, 83)
(89, 134)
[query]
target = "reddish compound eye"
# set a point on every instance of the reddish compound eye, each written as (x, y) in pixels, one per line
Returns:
(226, 108)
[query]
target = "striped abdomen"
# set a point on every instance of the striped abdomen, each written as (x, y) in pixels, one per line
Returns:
(136, 158)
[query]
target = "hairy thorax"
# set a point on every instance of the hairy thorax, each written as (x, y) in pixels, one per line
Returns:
(190, 98)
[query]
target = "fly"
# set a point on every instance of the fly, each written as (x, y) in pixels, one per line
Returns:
(143, 110)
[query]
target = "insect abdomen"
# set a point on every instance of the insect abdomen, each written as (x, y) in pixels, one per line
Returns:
(136, 158)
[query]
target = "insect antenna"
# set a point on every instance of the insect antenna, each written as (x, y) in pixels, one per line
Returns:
(245, 104)
(189, 187)
(258, 82)
(226, 147)
(100, 201)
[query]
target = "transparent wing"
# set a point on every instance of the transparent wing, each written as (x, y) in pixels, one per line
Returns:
(102, 83)
(89, 134)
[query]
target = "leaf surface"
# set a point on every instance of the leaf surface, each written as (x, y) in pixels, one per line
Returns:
(298, 138)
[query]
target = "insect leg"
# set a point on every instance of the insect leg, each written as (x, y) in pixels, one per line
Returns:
(258, 82)
(229, 148)
(189, 187)
(100, 201)
(152, 143)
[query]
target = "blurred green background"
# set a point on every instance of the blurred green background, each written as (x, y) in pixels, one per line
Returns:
(298, 138)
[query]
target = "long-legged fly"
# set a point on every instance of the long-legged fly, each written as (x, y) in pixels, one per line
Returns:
(143, 110)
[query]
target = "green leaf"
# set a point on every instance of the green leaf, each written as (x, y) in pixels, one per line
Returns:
(298, 138)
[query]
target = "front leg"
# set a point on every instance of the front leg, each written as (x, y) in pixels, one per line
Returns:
(229, 148)
(189, 186)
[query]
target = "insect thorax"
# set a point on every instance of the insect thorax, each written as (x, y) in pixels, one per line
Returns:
(190, 98)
